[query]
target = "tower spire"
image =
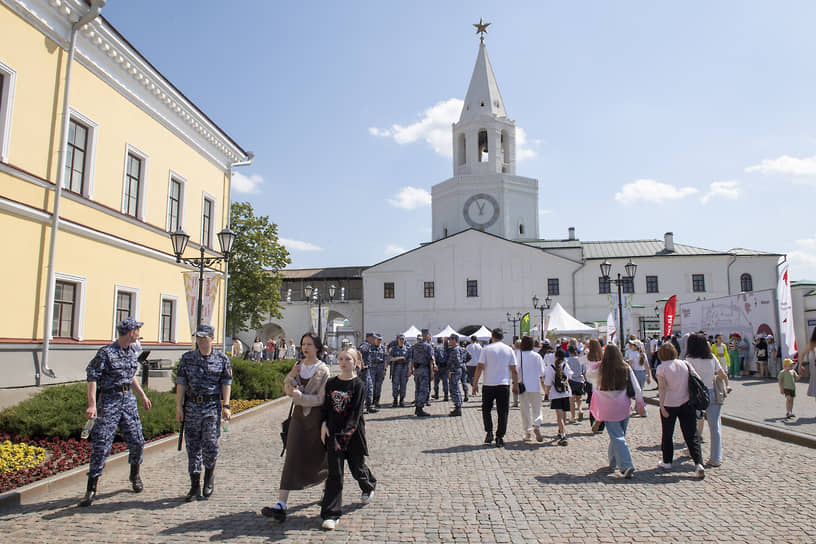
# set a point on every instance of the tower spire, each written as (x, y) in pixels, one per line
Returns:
(481, 28)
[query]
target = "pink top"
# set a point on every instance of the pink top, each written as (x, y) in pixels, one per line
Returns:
(611, 405)
(674, 375)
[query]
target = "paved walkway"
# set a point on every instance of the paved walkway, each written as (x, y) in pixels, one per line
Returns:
(438, 483)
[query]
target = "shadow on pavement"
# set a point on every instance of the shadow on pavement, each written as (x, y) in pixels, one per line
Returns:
(63, 508)
(462, 448)
(603, 475)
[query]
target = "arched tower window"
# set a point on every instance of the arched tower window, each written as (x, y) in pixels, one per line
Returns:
(504, 150)
(462, 149)
(444, 232)
(521, 229)
(482, 154)
(746, 283)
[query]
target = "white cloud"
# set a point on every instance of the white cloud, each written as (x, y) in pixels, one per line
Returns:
(649, 190)
(246, 184)
(786, 165)
(392, 249)
(542, 211)
(434, 128)
(298, 245)
(411, 198)
(803, 259)
(722, 189)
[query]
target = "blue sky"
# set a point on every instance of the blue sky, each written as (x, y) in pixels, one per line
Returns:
(638, 117)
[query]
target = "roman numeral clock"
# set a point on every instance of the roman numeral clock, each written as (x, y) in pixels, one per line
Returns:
(481, 211)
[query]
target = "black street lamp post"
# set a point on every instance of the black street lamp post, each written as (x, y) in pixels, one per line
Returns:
(541, 307)
(631, 269)
(514, 320)
(179, 239)
(313, 294)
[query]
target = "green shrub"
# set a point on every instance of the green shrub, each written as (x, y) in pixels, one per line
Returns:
(258, 380)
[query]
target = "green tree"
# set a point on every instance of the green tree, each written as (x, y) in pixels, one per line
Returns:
(254, 269)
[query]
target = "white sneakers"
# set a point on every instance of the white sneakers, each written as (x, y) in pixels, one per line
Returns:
(700, 471)
(366, 497)
(329, 524)
(664, 466)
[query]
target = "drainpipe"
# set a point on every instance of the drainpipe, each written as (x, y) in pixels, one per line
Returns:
(93, 12)
(728, 273)
(574, 302)
(249, 158)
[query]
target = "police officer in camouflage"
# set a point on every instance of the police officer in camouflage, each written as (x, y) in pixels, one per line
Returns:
(378, 355)
(457, 357)
(203, 384)
(440, 355)
(422, 361)
(365, 350)
(111, 375)
(398, 358)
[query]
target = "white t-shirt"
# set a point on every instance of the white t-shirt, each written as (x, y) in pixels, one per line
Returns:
(633, 357)
(475, 351)
(549, 379)
(497, 358)
(531, 369)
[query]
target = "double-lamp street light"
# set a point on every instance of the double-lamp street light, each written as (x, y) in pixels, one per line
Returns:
(606, 270)
(179, 239)
(514, 319)
(541, 307)
(313, 294)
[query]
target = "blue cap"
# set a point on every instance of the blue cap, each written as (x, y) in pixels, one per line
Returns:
(377, 335)
(369, 334)
(128, 324)
(425, 331)
(204, 330)
(454, 336)
(400, 336)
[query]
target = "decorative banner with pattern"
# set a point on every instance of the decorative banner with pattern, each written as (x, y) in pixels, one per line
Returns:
(786, 329)
(209, 294)
(324, 318)
(669, 313)
(524, 326)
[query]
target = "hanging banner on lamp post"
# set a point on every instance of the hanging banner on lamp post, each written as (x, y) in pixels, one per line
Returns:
(786, 329)
(209, 294)
(669, 313)
(611, 328)
(524, 326)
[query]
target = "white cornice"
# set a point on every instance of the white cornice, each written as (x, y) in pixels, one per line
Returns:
(101, 50)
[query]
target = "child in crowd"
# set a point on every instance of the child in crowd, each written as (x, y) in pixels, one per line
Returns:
(787, 386)
(556, 386)
(343, 434)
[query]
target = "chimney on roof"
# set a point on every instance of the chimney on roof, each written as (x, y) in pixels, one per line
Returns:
(571, 233)
(669, 241)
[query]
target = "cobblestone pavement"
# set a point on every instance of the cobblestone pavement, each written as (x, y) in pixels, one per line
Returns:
(438, 483)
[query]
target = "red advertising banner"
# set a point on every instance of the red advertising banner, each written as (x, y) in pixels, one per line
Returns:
(668, 315)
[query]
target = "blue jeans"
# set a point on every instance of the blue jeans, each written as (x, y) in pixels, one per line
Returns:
(714, 425)
(618, 452)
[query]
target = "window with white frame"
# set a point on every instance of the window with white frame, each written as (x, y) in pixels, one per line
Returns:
(8, 78)
(69, 307)
(76, 156)
(207, 215)
(135, 183)
(126, 303)
(167, 332)
(175, 204)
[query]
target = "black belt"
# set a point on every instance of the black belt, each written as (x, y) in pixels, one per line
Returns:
(198, 399)
(117, 389)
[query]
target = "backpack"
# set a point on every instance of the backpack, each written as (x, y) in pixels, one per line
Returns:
(558, 377)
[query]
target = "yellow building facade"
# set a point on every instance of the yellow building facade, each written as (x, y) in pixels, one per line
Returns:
(141, 160)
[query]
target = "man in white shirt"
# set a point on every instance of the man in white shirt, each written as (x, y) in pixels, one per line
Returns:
(498, 363)
(475, 350)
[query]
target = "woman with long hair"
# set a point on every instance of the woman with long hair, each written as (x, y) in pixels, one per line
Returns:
(699, 356)
(612, 404)
(305, 464)
(594, 357)
(556, 387)
(531, 374)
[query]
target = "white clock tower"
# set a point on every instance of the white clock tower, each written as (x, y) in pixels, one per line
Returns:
(485, 193)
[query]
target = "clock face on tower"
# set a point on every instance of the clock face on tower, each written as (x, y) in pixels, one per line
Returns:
(481, 211)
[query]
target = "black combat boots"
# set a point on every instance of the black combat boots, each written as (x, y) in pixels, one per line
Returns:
(457, 411)
(135, 479)
(90, 492)
(209, 475)
(195, 487)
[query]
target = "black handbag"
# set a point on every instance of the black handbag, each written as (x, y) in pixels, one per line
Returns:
(630, 389)
(285, 428)
(521, 387)
(698, 392)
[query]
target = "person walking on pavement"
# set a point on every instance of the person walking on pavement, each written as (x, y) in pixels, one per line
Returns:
(111, 375)
(441, 371)
(699, 355)
(305, 463)
(203, 384)
(498, 363)
(422, 362)
(366, 348)
(377, 359)
(531, 374)
(398, 359)
(456, 357)
(475, 350)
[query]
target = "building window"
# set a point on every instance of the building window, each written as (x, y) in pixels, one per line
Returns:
(206, 221)
(133, 182)
(698, 283)
(482, 153)
(167, 320)
(65, 302)
(746, 283)
(604, 285)
(552, 287)
(8, 78)
(521, 228)
(472, 288)
(388, 289)
(174, 205)
(124, 305)
(627, 285)
(76, 157)
(651, 284)
(429, 289)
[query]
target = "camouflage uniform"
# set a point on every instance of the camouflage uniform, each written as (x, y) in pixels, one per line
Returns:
(365, 350)
(399, 373)
(378, 355)
(422, 358)
(440, 354)
(457, 357)
(203, 377)
(113, 369)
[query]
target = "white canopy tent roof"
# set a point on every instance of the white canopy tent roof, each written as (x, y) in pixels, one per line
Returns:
(412, 333)
(562, 322)
(447, 331)
(483, 334)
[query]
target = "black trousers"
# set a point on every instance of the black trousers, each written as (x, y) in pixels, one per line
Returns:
(501, 394)
(332, 503)
(688, 426)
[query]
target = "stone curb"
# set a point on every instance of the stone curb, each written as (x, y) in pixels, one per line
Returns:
(76, 477)
(783, 435)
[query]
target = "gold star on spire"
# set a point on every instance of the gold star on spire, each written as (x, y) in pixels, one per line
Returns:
(481, 28)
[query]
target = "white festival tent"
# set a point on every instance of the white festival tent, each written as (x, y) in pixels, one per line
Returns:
(412, 333)
(447, 331)
(561, 322)
(483, 334)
